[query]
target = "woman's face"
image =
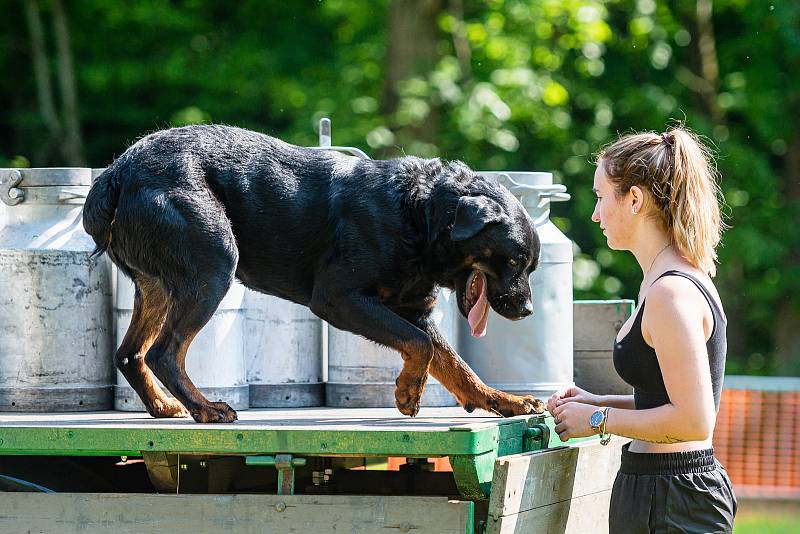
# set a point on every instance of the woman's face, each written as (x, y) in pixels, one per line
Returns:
(613, 214)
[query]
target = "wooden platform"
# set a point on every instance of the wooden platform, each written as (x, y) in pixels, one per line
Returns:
(526, 480)
(318, 431)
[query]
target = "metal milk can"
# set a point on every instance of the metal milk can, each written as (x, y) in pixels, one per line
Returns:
(55, 302)
(534, 355)
(283, 346)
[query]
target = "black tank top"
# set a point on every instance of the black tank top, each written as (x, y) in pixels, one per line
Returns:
(637, 364)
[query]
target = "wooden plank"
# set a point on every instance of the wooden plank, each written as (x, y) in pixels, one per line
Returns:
(90, 513)
(429, 419)
(361, 432)
(527, 481)
(580, 515)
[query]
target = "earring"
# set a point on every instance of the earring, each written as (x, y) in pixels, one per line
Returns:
(633, 210)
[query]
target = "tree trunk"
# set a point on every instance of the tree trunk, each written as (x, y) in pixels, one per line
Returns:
(460, 41)
(787, 316)
(709, 65)
(72, 145)
(44, 90)
(413, 39)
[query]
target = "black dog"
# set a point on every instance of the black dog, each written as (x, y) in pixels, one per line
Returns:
(362, 243)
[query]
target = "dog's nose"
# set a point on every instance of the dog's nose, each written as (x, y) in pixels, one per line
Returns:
(526, 310)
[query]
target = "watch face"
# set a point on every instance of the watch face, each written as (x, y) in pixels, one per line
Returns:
(596, 418)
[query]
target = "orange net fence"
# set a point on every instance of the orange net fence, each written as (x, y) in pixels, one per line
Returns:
(757, 437)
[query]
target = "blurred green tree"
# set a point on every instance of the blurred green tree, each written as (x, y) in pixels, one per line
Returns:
(500, 84)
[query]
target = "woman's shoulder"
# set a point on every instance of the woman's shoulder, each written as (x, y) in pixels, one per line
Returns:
(672, 293)
(674, 314)
(672, 285)
(676, 302)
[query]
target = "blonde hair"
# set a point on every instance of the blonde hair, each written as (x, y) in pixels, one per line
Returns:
(678, 171)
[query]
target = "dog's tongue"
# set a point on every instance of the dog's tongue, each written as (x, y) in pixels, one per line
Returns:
(479, 314)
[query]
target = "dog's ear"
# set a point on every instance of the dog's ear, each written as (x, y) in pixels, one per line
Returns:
(473, 214)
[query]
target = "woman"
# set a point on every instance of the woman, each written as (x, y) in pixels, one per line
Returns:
(657, 197)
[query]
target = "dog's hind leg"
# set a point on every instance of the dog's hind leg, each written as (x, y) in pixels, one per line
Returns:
(192, 304)
(149, 309)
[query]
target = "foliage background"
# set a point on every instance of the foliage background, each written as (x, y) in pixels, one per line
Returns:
(499, 84)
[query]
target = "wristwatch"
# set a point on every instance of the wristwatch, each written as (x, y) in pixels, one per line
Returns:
(598, 423)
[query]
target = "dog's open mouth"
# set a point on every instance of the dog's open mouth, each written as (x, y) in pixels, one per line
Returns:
(477, 303)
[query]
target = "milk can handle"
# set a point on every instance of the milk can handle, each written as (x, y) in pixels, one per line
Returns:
(325, 138)
(555, 196)
(9, 193)
(551, 192)
(71, 194)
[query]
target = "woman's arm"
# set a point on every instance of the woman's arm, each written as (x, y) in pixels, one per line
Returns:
(673, 319)
(616, 401)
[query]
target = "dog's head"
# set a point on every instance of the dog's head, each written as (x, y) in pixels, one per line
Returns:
(497, 244)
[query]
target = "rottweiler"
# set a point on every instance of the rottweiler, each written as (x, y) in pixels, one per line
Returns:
(365, 244)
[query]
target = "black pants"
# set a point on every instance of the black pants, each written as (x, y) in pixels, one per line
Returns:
(671, 492)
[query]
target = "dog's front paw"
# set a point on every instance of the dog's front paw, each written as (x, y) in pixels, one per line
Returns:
(406, 403)
(408, 394)
(537, 405)
(509, 405)
(215, 412)
(169, 408)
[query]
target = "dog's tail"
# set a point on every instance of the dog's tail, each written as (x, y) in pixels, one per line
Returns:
(99, 209)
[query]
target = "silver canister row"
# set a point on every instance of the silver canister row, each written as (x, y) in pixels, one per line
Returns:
(62, 314)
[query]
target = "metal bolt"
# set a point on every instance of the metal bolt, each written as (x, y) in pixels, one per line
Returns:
(280, 506)
(184, 467)
(203, 463)
(14, 192)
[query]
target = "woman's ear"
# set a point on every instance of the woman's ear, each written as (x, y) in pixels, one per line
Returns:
(636, 199)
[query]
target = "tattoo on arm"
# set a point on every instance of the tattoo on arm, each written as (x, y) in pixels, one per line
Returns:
(665, 439)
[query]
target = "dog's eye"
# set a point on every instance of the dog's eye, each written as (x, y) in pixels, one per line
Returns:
(512, 262)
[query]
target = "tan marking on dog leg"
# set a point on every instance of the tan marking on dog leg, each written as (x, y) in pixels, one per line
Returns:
(206, 412)
(456, 376)
(147, 318)
(412, 379)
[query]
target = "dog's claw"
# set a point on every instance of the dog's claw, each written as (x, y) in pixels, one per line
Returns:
(406, 405)
(170, 408)
(408, 393)
(536, 405)
(510, 405)
(215, 412)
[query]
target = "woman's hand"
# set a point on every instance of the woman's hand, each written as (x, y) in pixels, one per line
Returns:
(572, 420)
(571, 394)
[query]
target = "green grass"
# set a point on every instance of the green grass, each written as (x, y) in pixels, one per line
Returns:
(763, 517)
